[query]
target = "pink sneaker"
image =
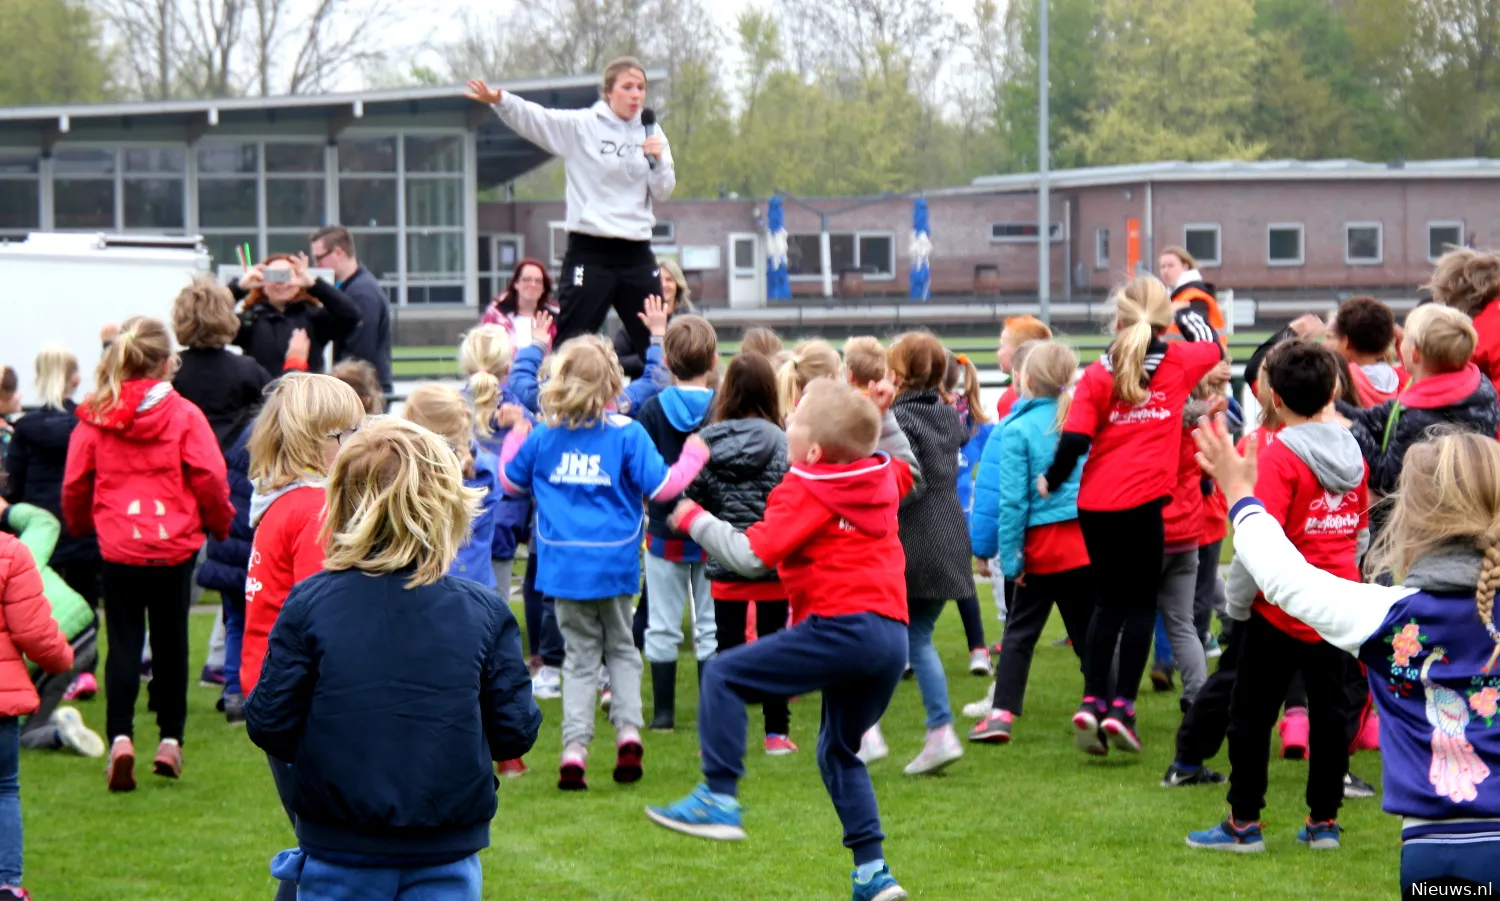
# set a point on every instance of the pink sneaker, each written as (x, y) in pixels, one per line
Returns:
(1368, 738)
(779, 746)
(84, 687)
(572, 772)
(1293, 731)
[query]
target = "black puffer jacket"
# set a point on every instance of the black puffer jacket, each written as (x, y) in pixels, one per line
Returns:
(747, 458)
(35, 462)
(934, 530)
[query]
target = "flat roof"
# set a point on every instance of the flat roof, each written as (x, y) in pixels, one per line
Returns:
(1237, 170)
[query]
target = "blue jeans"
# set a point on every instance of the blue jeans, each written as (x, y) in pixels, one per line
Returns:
(1450, 859)
(10, 801)
(925, 662)
(234, 638)
(319, 880)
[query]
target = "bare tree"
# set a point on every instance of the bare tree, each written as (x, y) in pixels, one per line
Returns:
(146, 30)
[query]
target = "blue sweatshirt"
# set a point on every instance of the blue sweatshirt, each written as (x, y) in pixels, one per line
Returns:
(473, 560)
(1425, 650)
(528, 362)
(588, 484)
(669, 418)
(512, 514)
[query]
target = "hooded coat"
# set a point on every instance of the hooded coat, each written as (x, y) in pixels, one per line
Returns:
(747, 460)
(669, 418)
(34, 464)
(934, 531)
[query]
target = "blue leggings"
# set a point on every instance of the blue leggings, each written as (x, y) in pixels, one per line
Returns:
(1451, 860)
(319, 880)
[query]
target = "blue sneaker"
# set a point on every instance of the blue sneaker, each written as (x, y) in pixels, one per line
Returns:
(881, 887)
(1228, 837)
(699, 814)
(1322, 836)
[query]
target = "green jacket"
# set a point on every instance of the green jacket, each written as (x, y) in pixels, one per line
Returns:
(38, 530)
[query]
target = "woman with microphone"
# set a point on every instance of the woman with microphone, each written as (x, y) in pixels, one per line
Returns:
(618, 165)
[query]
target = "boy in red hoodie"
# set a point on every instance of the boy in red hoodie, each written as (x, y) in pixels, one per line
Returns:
(830, 532)
(144, 471)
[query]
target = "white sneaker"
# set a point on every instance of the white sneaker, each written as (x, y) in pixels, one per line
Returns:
(979, 663)
(982, 708)
(872, 746)
(942, 749)
(74, 734)
(546, 685)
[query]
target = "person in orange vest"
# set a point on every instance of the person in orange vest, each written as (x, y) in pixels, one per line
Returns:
(1179, 271)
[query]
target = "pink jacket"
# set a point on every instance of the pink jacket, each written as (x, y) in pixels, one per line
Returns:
(493, 316)
(26, 628)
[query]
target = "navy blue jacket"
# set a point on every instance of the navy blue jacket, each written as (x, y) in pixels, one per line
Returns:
(390, 703)
(371, 339)
(224, 566)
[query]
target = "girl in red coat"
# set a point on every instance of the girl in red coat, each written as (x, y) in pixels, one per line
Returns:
(1127, 415)
(144, 472)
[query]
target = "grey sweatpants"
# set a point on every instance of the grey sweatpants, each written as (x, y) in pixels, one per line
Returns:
(1179, 585)
(595, 633)
(671, 587)
(37, 732)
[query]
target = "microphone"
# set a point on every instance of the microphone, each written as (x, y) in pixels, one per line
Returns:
(648, 119)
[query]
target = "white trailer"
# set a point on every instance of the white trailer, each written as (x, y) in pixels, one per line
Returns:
(62, 288)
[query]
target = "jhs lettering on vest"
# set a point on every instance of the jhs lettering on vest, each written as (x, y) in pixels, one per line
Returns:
(576, 468)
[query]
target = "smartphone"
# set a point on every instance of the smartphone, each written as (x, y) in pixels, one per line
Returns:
(279, 274)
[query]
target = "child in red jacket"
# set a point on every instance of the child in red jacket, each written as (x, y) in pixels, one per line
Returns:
(830, 532)
(26, 627)
(145, 472)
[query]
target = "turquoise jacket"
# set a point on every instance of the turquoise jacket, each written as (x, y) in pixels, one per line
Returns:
(1006, 502)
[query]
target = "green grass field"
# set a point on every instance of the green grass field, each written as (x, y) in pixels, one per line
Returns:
(1032, 820)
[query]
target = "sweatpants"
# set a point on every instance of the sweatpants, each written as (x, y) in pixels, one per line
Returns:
(855, 661)
(38, 731)
(673, 587)
(322, 880)
(770, 618)
(234, 638)
(1072, 591)
(217, 641)
(1451, 860)
(87, 580)
(600, 273)
(1126, 548)
(1179, 581)
(542, 634)
(131, 593)
(968, 611)
(1268, 659)
(597, 633)
(1207, 588)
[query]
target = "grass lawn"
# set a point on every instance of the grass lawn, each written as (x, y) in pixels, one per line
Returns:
(1031, 820)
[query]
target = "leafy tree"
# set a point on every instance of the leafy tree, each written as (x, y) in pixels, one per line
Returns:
(54, 54)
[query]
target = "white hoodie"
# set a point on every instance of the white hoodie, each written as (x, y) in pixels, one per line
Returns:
(610, 184)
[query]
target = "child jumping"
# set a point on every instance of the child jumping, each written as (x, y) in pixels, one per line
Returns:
(390, 686)
(830, 532)
(588, 469)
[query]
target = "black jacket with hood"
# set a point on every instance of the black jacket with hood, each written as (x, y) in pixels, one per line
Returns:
(34, 465)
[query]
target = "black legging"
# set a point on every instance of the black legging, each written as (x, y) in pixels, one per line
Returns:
(770, 617)
(1126, 549)
(603, 273)
(86, 579)
(968, 610)
(1072, 591)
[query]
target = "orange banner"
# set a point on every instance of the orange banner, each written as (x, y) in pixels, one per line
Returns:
(1132, 246)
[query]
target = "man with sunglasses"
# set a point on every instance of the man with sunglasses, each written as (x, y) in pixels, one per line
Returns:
(333, 248)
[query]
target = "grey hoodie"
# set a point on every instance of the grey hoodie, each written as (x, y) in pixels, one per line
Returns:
(261, 501)
(610, 185)
(1333, 455)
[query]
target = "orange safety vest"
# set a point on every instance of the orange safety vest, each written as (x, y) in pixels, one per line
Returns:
(1215, 316)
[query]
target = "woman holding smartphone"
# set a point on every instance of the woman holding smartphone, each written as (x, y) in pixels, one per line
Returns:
(617, 167)
(287, 308)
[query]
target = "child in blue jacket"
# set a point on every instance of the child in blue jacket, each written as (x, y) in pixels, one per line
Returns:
(966, 401)
(444, 412)
(1035, 540)
(223, 570)
(416, 677)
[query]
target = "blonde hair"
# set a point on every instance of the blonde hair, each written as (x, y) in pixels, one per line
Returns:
(586, 378)
(1143, 310)
(809, 360)
(203, 315)
(684, 298)
(864, 359)
(1181, 254)
(485, 357)
(56, 367)
(1448, 495)
(763, 341)
(143, 347)
(617, 67)
(441, 410)
(362, 377)
(840, 419)
(1047, 372)
(1445, 336)
(301, 410)
(1466, 280)
(396, 500)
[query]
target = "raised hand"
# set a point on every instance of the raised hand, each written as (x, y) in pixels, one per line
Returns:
(301, 273)
(299, 346)
(483, 93)
(541, 327)
(655, 315)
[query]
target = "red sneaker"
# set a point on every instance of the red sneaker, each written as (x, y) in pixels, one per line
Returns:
(510, 769)
(1293, 730)
(779, 746)
(84, 688)
(168, 760)
(121, 769)
(572, 774)
(628, 754)
(14, 893)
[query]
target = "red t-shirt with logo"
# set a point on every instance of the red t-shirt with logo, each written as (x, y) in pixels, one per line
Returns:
(1133, 457)
(1322, 526)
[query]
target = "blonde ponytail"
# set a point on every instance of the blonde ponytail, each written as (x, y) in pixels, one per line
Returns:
(1143, 309)
(441, 410)
(809, 360)
(485, 357)
(143, 346)
(1047, 372)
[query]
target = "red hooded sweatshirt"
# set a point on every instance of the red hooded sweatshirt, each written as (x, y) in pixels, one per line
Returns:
(830, 531)
(148, 476)
(1487, 354)
(1182, 520)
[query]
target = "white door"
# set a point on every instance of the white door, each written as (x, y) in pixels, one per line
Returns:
(747, 271)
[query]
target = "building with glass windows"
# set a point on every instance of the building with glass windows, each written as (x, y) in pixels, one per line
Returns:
(402, 169)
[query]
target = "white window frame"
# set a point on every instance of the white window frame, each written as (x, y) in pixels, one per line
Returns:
(1101, 247)
(1054, 227)
(1205, 262)
(555, 252)
(671, 232)
(858, 261)
(1445, 223)
(1301, 259)
(1379, 257)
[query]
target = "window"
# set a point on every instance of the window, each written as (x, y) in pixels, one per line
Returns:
(873, 253)
(20, 194)
(1101, 248)
(229, 198)
(1022, 232)
(155, 187)
(1443, 237)
(1284, 244)
(83, 189)
(663, 233)
(557, 238)
(1363, 243)
(1202, 241)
